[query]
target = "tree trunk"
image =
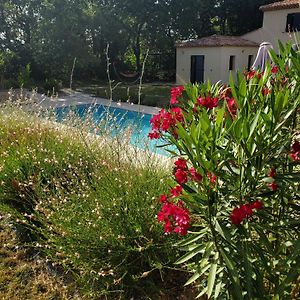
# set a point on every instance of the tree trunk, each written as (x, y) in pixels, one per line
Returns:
(137, 48)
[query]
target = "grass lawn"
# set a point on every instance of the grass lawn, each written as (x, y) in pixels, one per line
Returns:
(152, 94)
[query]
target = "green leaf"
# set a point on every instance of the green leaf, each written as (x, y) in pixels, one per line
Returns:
(203, 292)
(189, 255)
(212, 275)
(193, 278)
(254, 124)
(197, 275)
(233, 274)
(220, 116)
(222, 230)
(192, 239)
(218, 287)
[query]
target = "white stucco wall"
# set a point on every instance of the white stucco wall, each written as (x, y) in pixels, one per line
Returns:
(216, 62)
(241, 60)
(212, 63)
(273, 28)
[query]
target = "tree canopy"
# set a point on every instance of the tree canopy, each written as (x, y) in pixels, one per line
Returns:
(49, 34)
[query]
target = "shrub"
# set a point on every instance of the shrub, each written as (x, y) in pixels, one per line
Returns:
(237, 181)
(24, 77)
(52, 85)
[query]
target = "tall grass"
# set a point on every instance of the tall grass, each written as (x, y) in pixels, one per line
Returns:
(86, 204)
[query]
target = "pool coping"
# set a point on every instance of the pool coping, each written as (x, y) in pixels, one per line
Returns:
(72, 98)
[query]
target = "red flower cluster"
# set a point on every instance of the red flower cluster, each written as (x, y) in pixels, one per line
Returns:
(231, 105)
(239, 214)
(176, 92)
(212, 178)
(195, 176)
(252, 73)
(176, 191)
(182, 172)
(294, 155)
(181, 176)
(176, 218)
(274, 69)
(208, 102)
(165, 121)
(265, 91)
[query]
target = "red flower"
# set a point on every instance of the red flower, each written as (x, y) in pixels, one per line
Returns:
(212, 178)
(154, 135)
(259, 75)
(239, 214)
(250, 74)
(294, 155)
(296, 147)
(165, 121)
(168, 226)
(176, 191)
(257, 205)
(176, 218)
(232, 107)
(272, 172)
(274, 70)
(163, 198)
(176, 92)
(208, 102)
(181, 163)
(181, 176)
(273, 186)
(265, 91)
(155, 121)
(195, 176)
(226, 93)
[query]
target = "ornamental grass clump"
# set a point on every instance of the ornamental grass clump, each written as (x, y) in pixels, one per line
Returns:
(236, 195)
(84, 204)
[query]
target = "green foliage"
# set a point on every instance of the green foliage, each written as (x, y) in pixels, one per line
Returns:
(24, 77)
(87, 205)
(49, 34)
(152, 95)
(243, 144)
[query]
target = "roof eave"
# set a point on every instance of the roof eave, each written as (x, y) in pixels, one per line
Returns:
(214, 46)
(265, 8)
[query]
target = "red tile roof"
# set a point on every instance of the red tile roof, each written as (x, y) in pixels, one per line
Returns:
(217, 41)
(286, 4)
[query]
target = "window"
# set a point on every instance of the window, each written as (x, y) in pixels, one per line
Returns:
(293, 22)
(250, 62)
(231, 62)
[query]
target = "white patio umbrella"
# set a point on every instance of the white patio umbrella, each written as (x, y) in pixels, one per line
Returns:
(262, 57)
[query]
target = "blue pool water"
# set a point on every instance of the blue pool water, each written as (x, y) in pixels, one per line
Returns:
(120, 119)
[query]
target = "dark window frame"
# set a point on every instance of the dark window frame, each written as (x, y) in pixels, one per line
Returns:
(231, 62)
(292, 22)
(250, 62)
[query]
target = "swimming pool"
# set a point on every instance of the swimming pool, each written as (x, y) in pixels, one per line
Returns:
(117, 119)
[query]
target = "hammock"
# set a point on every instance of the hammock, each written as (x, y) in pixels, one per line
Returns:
(130, 76)
(127, 75)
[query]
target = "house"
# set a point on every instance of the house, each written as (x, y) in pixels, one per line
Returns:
(280, 20)
(215, 57)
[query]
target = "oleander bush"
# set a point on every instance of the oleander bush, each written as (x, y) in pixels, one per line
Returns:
(86, 206)
(237, 196)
